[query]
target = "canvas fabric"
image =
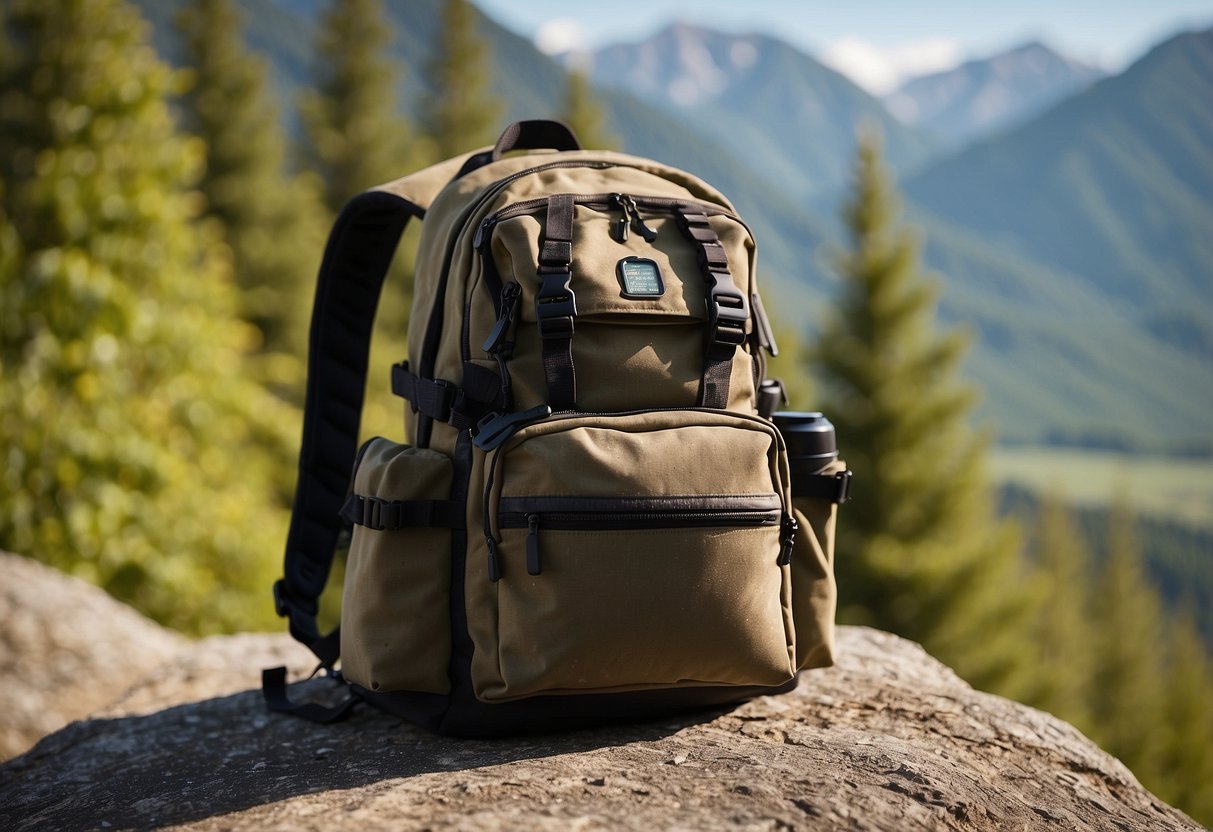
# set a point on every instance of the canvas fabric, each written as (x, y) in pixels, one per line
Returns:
(591, 515)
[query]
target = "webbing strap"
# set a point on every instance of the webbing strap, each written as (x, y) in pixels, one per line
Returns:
(273, 689)
(461, 406)
(556, 303)
(355, 262)
(393, 515)
(726, 308)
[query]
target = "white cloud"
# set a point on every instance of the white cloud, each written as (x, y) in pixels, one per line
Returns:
(880, 69)
(562, 34)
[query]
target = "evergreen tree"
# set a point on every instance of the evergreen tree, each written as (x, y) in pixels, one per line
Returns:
(1061, 625)
(355, 140)
(920, 551)
(1127, 681)
(790, 368)
(1187, 753)
(136, 453)
(270, 222)
(458, 112)
(583, 113)
(355, 137)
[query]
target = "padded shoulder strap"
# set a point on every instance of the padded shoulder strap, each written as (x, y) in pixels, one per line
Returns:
(356, 259)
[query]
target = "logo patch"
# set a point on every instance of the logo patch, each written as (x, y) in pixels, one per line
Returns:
(640, 277)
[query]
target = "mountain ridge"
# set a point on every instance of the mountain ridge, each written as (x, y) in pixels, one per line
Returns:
(984, 95)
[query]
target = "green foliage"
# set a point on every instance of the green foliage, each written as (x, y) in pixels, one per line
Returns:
(921, 552)
(458, 113)
(355, 139)
(1186, 759)
(583, 113)
(1126, 680)
(1062, 627)
(1131, 677)
(270, 223)
(137, 454)
(789, 366)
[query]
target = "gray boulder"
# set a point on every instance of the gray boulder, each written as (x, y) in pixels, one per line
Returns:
(888, 739)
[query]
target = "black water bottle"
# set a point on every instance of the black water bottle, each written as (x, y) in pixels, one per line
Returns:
(811, 447)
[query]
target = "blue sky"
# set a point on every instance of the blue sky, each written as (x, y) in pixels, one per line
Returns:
(877, 42)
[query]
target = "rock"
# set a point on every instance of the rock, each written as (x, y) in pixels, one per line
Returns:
(888, 739)
(65, 650)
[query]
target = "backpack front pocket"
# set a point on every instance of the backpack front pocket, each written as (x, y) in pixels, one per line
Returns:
(629, 552)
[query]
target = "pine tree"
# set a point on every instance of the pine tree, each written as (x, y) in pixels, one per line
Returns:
(583, 113)
(270, 222)
(136, 453)
(1127, 681)
(355, 140)
(1062, 624)
(920, 551)
(458, 112)
(355, 137)
(1187, 747)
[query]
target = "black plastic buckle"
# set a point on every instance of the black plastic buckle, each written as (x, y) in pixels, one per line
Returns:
(556, 305)
(727, 311)
(843, 480)
(379, 514)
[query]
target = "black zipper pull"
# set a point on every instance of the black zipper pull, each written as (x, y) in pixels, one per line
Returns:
(483, 232)
(533, 566)
(788, 539)
(495, 428)
(511, 296)
(646, 231)
(621, 224)
(494, 560)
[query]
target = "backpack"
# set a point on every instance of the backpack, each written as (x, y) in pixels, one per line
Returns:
(593, 517)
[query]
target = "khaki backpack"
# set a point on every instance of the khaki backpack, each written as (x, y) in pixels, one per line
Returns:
(593, 517)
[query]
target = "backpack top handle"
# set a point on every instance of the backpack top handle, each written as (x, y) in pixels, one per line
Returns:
(534, 135)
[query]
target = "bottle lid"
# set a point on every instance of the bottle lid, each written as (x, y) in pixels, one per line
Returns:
(807, 434)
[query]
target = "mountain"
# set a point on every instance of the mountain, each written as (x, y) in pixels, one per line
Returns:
(1114, 186)
(980, 97)
(790, 117)
(1056, 358)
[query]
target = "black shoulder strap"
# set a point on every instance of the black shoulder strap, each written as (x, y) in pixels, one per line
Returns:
(359, 250)
(356, 259)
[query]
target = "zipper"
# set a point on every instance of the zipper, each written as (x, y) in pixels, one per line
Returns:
(628, 205)
(630, 520)
(544, 414)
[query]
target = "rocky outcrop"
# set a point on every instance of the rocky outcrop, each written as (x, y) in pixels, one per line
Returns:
(66, 649)
(888, 739)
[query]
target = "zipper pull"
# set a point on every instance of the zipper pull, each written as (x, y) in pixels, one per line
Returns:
(621, 225)
(483, 232)
(494, 560)
(532, 545)
(788, 539)
(646, 231)
(511, 295)
(495, 428)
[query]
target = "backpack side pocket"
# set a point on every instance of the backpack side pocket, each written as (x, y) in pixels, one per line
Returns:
(814, 590)
(395, 611)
